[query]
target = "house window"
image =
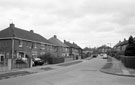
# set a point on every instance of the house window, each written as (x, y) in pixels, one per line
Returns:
(20, 55)
(42, 46)
(67, 54)
(63, 54)
(42, 53)
(34, 45)
(20, 43)
(66, 49)
(56, 48)
(34, 53)
(1, 58)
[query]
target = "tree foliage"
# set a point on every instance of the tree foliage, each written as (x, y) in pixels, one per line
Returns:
(130, 49)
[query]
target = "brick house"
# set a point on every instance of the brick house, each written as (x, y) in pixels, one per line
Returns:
(62, 49)
(104, 49)
(121, 46)
(74, 50)
(18, 43)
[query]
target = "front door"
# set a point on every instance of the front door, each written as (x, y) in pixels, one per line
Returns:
(2, 56)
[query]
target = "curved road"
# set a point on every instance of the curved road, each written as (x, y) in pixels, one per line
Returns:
(84, 73)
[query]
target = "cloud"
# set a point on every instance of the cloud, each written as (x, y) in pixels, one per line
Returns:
(87, 22)
(127, 30)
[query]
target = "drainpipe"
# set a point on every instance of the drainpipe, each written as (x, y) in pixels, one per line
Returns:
(12, 55)
(13, 44)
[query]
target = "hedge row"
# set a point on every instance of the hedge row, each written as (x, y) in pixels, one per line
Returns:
(128, 61)
(54, 60)
(51, 59)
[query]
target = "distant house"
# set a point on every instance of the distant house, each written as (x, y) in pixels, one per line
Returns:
(87, 50)
(104, 49)
(62, 49)
(121, 46)
(16, 43)
(75, 51)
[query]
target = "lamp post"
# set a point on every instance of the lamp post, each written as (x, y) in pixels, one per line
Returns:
(109, 49)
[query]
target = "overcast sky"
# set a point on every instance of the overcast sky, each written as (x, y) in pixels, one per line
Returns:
(89, 23)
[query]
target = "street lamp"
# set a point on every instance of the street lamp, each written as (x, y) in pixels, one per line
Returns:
(109, 49)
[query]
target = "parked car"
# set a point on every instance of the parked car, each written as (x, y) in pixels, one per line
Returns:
(94, 55)
(37, 61)
(21, 60)
(104, 56)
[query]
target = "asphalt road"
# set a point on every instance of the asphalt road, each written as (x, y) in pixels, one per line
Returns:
(84, 73)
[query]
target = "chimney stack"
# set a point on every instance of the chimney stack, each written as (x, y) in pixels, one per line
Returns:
(12, 25)
(125, 39)
(55, 36)
(31, 31)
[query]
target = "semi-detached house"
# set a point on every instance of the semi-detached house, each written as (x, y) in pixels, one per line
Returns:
(74, 50)
(62, 49)
(18, 43)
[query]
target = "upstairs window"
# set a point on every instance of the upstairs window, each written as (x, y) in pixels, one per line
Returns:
(34, 53)
(20, 43)
(42, 53)
(66, 49)
(42, 46)
(34, 45)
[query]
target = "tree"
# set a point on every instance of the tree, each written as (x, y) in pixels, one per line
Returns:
(130, 49)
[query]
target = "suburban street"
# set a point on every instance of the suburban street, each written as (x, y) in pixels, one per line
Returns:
(84, 73)
(67, 42)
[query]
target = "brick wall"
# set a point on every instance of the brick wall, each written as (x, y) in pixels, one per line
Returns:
(6, 47)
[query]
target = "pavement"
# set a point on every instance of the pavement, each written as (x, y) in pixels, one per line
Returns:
(112, 66)
(38, 69)
(115, 67)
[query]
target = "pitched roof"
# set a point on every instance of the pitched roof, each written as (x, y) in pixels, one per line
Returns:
(68, 43)
(125, 42)
(72, 45)
(13, 31)
(75, 45)
(104, 47)
(57, 42)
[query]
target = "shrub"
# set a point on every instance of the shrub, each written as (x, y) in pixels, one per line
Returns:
(51, 59)
(88, 54)
(55, 60)
(130, 49)
(46, 56)
(129, 60)
(119, 54)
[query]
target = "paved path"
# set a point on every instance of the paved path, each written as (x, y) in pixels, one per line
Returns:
(27, 71)
(115, 67)
(84, 73)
